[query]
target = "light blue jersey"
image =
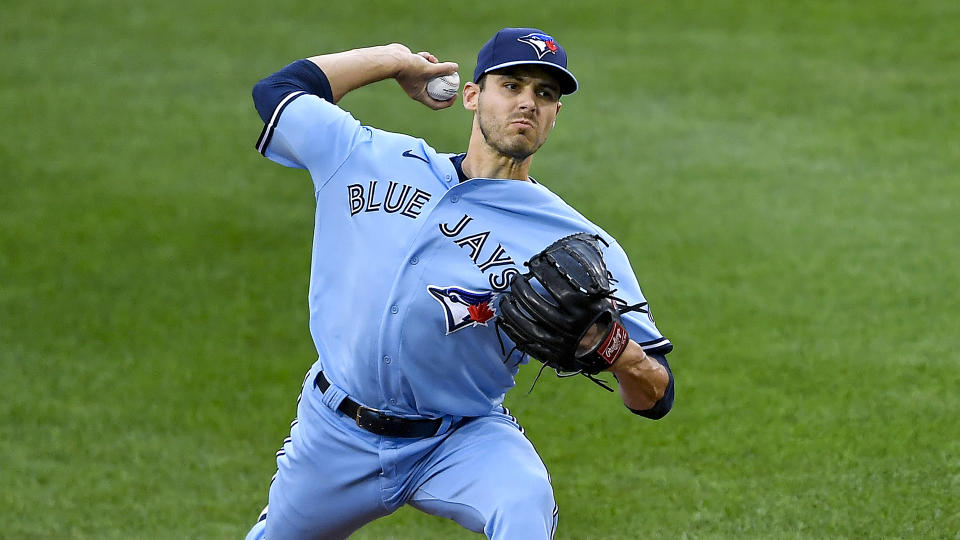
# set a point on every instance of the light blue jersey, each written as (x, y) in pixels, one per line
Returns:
(408, 262)
(404, 403)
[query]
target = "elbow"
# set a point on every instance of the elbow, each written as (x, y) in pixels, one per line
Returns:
(302, 75)
(262, 93)
(658, 411)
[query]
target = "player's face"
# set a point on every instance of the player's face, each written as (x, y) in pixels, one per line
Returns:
(516, 110)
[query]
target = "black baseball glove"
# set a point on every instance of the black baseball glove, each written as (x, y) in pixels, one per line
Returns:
(562, 311)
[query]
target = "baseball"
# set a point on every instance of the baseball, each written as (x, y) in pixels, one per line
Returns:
(444, 88)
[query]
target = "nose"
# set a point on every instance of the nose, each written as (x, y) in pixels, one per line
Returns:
(527, 99)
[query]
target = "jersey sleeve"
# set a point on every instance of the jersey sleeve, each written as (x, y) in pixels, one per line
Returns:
(303, 128)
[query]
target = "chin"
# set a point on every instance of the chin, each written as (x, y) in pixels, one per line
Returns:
(518, 154)
(523, 146)
(517, 146)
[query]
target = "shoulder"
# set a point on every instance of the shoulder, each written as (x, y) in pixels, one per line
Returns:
(577, 219)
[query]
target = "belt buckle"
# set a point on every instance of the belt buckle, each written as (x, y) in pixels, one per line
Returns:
(362, 418)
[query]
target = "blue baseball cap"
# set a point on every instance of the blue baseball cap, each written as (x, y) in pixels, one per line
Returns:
(519, 46)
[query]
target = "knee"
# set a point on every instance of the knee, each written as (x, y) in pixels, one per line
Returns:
(533, 501)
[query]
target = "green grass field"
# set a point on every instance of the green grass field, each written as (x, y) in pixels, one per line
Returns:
(783, 174)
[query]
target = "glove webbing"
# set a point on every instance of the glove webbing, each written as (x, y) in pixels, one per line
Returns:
(576, 255)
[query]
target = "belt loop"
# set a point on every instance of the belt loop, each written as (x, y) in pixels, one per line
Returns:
(333, 396)
(446, 423)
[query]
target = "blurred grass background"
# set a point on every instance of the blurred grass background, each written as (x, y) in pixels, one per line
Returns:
(783, 174)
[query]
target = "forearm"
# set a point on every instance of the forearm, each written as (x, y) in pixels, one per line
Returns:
(643, 381)
(349, 70)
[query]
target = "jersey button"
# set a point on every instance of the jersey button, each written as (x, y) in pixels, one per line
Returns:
(386, 360)
(455, 199)
(393, 401)
(414, 259)
(394, 309)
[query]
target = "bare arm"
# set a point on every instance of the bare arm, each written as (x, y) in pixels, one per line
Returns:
(352, 69)
(643, 380)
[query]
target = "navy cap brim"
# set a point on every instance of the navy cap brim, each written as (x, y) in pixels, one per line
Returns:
(568, 83)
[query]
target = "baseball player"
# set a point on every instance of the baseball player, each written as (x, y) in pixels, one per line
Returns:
(420, 307)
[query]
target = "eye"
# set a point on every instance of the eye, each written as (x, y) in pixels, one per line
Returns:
(511, 85)
(547, 93)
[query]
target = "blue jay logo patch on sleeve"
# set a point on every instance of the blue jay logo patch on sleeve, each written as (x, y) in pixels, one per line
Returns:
(542, 43)
(463, 307)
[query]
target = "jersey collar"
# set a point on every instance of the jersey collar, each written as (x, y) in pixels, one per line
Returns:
(457, 161)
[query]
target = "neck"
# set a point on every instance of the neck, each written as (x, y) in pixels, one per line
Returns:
(482, 161)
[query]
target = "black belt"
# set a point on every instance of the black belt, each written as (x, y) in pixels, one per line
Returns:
(379, 422)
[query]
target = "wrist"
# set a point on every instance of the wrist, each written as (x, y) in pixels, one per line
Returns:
(398, 56)
(632, 359)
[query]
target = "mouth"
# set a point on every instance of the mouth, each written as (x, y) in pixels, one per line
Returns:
(522, 122)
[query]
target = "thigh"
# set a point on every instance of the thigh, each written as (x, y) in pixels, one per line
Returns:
(488, 477)
(328, 478)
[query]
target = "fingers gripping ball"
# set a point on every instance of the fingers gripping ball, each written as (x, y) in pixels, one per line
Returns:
(444, 88)
(562, 311)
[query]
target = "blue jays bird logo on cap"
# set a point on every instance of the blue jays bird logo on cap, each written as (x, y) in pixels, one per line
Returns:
(542, 43)
(464, 307)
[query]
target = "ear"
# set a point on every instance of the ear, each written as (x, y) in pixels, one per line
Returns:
(559, 106)
(471, 95)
